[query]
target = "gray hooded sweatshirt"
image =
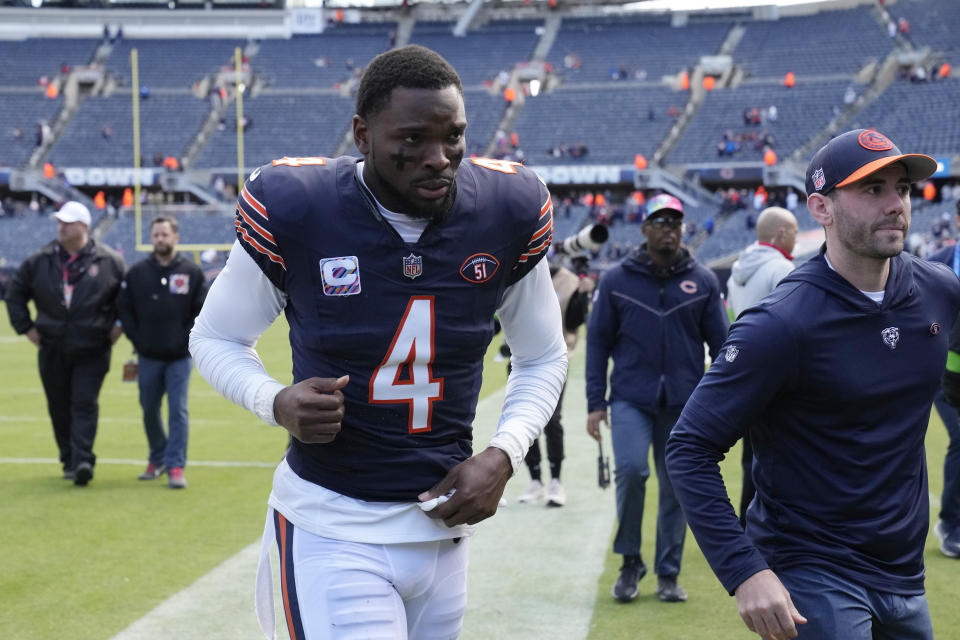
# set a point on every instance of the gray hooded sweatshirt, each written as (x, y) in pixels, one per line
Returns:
(755, 273)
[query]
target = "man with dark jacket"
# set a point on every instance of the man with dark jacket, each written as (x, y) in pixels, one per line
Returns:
(651, 314)
(757, 271)
(73, 282)
(160, 297)
(833, 374)
(947, 529)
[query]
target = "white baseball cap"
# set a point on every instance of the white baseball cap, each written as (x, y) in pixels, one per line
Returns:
(73, 211)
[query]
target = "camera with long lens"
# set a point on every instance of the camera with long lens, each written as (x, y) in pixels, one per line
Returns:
(587, 239)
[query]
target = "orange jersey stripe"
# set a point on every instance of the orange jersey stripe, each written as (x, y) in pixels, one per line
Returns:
(259, 247)
(546, 207)
(253, 202)
(546, 228)
(256, 227)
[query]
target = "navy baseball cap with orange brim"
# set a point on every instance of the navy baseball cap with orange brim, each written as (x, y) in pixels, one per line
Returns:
(856, 154)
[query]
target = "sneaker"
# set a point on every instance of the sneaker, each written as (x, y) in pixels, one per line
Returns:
(668, 590)
(533, 493)
(949, 539)
(177, 481)
(632, 570)
(68, 474)
(556, 496)
(152, 472)
(83, 474)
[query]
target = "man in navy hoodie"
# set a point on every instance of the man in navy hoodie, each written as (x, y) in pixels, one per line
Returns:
(948, 528)
(651, 314)
(833, 374)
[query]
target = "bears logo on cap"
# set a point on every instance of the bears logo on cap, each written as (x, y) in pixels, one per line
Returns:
(874, 141)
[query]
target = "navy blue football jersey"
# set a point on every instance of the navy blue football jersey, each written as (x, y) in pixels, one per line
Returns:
(409, 323)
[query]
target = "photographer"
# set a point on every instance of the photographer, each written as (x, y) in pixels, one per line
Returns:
(573, 292)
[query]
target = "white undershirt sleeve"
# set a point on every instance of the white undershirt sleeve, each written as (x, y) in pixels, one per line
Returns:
(241, 304)
(532, 326)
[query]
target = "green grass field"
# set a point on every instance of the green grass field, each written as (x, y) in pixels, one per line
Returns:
(86, 563)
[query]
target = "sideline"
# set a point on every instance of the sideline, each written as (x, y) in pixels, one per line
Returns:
(139, 463)
(517, 559)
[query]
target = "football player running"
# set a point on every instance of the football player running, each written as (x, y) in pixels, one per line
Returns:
(389, 269)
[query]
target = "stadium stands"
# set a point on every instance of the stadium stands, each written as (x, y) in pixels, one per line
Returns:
(918, 115)
(482, 53)
(932, 23)
(215, 227)
(282, 125)
(605, 46)
(613, 123)
(772, 48)
(37, 57)
(320, 61)
(171, 63)
(802, 111)
(21, 236)
(23, 110)
(168, 121)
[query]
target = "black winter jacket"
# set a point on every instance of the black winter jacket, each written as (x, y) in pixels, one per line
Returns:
(83, 326)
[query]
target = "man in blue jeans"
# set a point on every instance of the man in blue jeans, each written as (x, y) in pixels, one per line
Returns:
(159, 299)
(833, 374)
(652, 315)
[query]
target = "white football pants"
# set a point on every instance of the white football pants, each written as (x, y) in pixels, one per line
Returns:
(337, 590)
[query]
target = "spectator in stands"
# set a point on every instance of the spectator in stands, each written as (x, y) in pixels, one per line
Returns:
(759, 198)
(160, 297)
(652, 314)
(759, 269)
(948, 528)
(833, 374)
(43, 132)
(73, 283)
(903, 26)
(792, 200)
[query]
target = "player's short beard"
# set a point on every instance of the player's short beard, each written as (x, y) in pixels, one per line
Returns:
(434, 214)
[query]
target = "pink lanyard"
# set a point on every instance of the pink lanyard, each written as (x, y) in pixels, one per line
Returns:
(67, 287)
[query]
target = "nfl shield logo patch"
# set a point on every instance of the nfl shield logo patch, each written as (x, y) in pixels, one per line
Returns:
(412, 266)
(818, 179)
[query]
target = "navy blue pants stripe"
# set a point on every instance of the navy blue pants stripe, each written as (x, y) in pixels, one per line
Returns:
(288, 584)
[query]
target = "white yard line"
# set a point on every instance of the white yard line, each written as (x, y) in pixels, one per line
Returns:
(139, 463)
(44, 419)
(517, 560)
